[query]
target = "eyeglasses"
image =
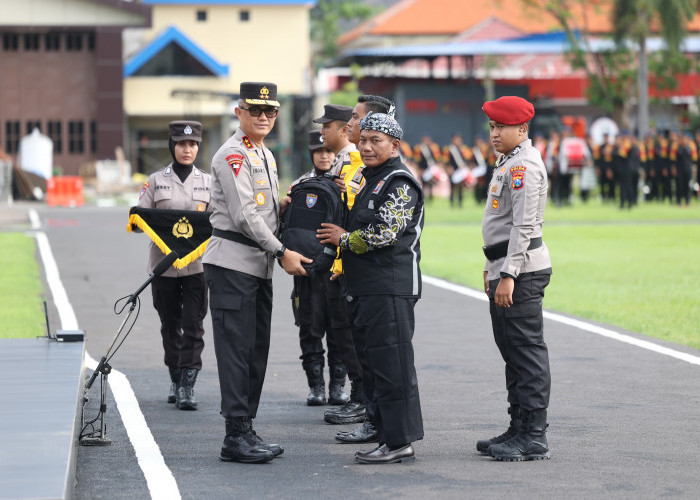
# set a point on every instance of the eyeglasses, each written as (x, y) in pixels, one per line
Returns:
(256, 112)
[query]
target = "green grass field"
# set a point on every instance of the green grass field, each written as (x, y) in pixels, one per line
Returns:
(22, 311)
(634, 269)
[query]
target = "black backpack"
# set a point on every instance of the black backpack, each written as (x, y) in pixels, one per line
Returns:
(314, 200)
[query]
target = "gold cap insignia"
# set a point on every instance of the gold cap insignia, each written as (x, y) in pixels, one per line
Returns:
(264, 93)
(183, 229)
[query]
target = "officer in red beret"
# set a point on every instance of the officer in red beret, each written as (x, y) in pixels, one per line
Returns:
(516, 273)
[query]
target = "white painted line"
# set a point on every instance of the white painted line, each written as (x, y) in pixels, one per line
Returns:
(576, 323)
(60, 297)
(159, 479)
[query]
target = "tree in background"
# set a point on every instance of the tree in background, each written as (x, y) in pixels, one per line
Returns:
(614, 75)
(326, 18)
(633, 21)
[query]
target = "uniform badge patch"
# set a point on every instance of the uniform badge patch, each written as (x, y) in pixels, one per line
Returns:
(200, 207)
(503, 170)
(517, 177)
(494, 204)
(494, 189)
(260, 198)
(261, 182)
(311, 200)
(357, 177)
(247, 142)
(144, 189)
(235, 161)
(377, 187)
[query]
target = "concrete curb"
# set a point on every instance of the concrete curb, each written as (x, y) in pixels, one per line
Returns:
(44, 382)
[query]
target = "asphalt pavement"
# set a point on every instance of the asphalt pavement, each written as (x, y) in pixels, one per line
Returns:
(623, 420)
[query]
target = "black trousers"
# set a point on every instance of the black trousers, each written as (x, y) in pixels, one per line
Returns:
(241, 313)
(319, 309)
(519, 334)
(182, 306)
(384, 326)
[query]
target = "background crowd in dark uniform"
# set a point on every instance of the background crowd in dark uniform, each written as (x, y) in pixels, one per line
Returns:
(621, 170)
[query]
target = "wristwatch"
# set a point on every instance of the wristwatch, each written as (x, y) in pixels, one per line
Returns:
(279, 253)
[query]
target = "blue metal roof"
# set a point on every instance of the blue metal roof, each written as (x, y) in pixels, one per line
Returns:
(545, 43)
(170, 35)
(230, 2)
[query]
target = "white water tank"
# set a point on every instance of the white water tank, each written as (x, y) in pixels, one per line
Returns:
(36, 154)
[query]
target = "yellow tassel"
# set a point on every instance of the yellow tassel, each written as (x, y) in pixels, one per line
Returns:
(180, 263)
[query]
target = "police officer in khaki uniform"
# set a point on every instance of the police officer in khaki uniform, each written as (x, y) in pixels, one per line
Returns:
(335, 131)
(180, 295)
(238, 265)
(516, 273)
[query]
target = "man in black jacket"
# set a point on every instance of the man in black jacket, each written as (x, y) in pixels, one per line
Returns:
(381, 255)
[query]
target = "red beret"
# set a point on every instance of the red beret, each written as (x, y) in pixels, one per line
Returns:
(509, 110)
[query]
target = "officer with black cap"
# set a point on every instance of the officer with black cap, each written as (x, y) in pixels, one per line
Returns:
(516, 273)
(180, 295)
(335, 131)
(238, 265)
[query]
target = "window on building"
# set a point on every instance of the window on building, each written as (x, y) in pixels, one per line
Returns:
(52, 42)
(244, 16)
(74, 42)
(201, 15)
(10, 41)
(55, 134)
(32, 124)
(12, 136)
(93, 137)
(31, 42)
(76, 137)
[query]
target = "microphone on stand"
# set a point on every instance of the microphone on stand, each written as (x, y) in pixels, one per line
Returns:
(160, 268)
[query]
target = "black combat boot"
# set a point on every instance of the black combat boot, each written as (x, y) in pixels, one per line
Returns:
(483, 444)
(366, 433)
(352, 412)
(336, 394)
(175, 374)
(317, 395)
(237, 443)
(185, 392)
(529, 444)
(256, 440)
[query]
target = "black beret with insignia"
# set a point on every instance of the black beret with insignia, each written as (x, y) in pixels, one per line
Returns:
(260, 93)
(315, 140)
(185, 130)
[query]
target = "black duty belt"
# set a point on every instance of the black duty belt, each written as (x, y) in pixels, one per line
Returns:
(237, 237)
(500, 250)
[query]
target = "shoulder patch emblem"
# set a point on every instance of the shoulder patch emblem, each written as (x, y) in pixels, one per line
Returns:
(232, 157)
(247, 142)
(518, 180)
(260, 198)
(311, 200)
(144, 189)
(235, 164)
